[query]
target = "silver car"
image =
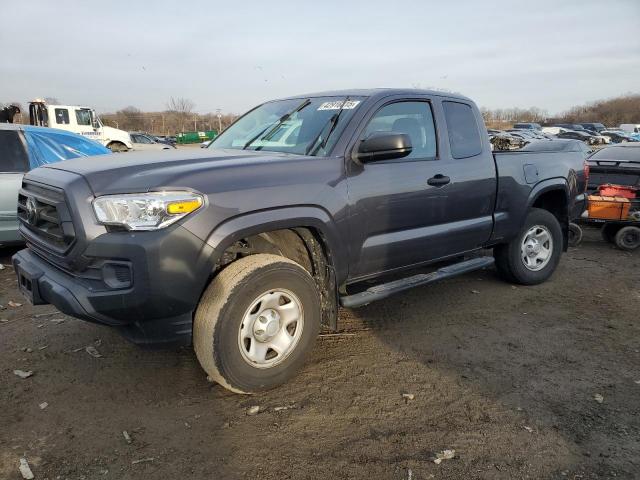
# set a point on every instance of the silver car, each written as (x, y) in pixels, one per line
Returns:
(24, 147)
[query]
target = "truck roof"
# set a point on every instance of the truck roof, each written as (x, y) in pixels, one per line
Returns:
(379, 93)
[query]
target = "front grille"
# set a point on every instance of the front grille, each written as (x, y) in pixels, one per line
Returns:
(43, 213)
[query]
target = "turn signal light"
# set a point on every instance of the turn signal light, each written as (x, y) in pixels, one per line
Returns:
(186, 206)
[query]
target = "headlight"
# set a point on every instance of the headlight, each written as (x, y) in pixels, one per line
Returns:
(146, 211)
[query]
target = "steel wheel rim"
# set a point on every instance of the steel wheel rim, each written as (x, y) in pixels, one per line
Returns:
(630, 239)
(536, 248)
(271, 328)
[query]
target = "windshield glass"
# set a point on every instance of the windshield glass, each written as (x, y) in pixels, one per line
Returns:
(300, 126)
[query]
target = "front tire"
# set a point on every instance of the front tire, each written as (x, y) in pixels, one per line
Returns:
(256, 322)
(117, 147)
(531, 257)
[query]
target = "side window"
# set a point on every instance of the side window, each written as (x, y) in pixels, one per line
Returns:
(13, 157)
(412, 118)
(62, 116)
(83, 117)
(464, 137)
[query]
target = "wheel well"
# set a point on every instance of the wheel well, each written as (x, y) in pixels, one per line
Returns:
(555, 202)
(305, 246)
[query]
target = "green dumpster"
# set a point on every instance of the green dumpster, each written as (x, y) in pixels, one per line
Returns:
(195, 137)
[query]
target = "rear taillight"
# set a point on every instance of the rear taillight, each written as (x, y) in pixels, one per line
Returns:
(586, 173)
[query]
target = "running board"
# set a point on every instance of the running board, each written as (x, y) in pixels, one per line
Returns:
(385, 290)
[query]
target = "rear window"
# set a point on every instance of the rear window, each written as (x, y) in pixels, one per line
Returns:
(629, 154)
(464, 136)
(13, 156)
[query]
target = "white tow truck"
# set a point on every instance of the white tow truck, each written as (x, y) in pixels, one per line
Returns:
(81, 120)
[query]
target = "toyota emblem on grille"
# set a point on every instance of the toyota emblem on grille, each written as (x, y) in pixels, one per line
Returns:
(32, 211)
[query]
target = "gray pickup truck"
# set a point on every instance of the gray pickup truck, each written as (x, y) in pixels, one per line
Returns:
(248, 247)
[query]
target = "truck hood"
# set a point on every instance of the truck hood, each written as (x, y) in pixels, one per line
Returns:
(136, 172)
(110, 134)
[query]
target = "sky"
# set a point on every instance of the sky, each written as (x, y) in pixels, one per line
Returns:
(234, 55)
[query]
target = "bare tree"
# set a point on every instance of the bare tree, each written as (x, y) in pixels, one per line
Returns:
(181, 107)
(52, 100)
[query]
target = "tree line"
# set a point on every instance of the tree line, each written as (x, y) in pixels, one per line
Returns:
(612, 112)
(179, 115)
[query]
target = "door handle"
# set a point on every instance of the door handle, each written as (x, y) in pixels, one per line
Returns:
(438, 180)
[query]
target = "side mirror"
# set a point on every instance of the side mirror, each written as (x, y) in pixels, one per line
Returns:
(384, 146)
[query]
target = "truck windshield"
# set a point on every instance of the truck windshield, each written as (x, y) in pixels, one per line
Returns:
(299, 126)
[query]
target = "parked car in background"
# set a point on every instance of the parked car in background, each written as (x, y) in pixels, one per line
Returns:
(553, 130)
(630, 127)
(164, 139)
(619, 136)
(527, 126)
(23, 147)
(581, 135)
(616, 164)
(143, 141)
(593, 127)
(570, 126)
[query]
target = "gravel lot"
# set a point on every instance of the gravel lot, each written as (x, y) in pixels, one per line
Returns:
(507, 377)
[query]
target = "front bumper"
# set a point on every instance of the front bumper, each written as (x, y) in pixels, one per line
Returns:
(169, 270)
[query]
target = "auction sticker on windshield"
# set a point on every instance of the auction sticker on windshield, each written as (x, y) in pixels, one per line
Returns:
(348, 105)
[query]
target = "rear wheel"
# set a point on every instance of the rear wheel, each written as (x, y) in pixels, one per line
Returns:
(532, 256)
(256, 322)
(628, 238)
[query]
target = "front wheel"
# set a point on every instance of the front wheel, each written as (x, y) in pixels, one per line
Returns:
(531, 257)
(117, 147)
(256, 322)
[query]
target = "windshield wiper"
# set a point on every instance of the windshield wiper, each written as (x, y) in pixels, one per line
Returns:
(333, 121)
(282, 119)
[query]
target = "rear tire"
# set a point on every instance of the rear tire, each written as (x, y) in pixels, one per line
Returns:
(628, 238)
(256, 322)
(531, 257)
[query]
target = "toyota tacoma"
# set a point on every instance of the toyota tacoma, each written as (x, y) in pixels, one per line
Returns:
(247, 248)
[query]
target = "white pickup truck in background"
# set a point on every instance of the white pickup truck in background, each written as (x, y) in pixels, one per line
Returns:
(81, 120)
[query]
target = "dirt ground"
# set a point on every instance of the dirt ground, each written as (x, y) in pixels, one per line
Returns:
(504, 376)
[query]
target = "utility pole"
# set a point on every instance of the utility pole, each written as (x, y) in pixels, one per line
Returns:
(195, 123)
(219, 120)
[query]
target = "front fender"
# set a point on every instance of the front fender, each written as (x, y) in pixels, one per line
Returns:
(234, 229)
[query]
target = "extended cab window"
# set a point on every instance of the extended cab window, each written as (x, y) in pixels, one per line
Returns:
(62, 116)
(83, 117)
(464, 136)
(13, 157)
(411, 118)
